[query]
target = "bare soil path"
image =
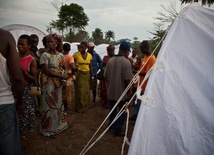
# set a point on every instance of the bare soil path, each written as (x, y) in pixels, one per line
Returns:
(82, 127)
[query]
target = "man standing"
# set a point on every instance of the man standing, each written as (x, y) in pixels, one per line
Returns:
(96, 65)
(34, 49)
(10, 72)
(118, 74)
(146, 63)
(34, 44)
(134, 56)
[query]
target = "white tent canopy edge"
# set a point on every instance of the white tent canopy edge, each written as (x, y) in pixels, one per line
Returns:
(18, 29)
(180, 121)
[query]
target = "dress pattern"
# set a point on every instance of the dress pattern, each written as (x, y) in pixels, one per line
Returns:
(53, 120)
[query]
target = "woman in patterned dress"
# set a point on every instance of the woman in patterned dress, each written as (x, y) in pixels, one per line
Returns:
(52, 63)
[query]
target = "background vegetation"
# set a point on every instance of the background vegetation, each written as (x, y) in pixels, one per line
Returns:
(72, 21)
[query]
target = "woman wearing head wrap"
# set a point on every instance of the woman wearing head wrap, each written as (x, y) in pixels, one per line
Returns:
(52, 64)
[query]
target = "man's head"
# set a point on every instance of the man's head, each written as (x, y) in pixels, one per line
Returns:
(24, 43)
(51, 42)
(124, 48)
(83, 46)
(66, 48)
(34, 40)
(91, 46)
(134, 52)
(110, 50)
(145, 47)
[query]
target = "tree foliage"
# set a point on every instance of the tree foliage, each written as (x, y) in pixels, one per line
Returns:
(164, 19)
(109, 35)
(58, 25)
(73, 17)
(78, 37)
(97, 36)
(204, 2)
(168, 14)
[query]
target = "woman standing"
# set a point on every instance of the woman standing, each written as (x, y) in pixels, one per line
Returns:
(29, 69)
(52, 64)
(67, 94)
(110, 54)
(82, 84)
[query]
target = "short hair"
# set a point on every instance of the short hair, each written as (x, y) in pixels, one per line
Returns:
(146, 42)
(27, 37)
(66, 47)
(44, 41)
(84, 43)
(34, 36)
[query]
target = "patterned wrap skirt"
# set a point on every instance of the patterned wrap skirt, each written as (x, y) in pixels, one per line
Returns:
(82, 90)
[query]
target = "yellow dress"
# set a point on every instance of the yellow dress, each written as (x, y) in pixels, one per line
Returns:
(82, 83)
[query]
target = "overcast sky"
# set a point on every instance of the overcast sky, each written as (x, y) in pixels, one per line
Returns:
(128, 19)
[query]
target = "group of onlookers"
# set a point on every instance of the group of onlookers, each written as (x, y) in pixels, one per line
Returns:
(58, 74)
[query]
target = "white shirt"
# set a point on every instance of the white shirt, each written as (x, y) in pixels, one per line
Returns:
(6, 95)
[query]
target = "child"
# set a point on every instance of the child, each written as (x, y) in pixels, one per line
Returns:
(29, 70)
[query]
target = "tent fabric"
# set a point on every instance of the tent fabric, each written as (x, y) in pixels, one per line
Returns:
(100, 49)
(181, 118)
(18, 29)
(73, 47)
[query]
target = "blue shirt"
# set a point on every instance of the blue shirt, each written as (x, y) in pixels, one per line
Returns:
(96, 63)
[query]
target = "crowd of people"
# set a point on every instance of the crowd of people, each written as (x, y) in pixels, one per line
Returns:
(57, 74)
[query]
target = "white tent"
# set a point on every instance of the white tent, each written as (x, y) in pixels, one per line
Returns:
(101, 49)
(18, 29)
(73, 47)
(180, 120)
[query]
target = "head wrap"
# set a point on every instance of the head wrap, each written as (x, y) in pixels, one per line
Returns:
(91, 44)
(110, 47)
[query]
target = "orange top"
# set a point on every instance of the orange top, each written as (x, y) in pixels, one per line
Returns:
(145, 69)
(68, 60)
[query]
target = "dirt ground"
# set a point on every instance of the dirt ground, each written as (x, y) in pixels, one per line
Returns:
(82, 126)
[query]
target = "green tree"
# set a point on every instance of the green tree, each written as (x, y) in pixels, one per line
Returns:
(73, 17)
(136, 43)
(109, 35)
(49, 28)
(58, 25)
(78, 37)
(204, 2)
(135, 39)
(97, 36)
(168, 14)
(158, 33)
(56, 4)
(82, 36)
(164, 19)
